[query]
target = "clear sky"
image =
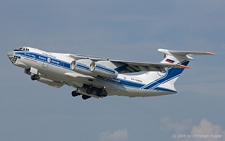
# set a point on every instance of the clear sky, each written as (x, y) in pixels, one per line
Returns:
(119, 29)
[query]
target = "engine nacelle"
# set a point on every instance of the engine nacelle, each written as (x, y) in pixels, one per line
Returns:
(89, 67)
(104, 68)
(83, 66)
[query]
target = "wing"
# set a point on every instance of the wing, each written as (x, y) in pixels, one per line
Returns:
(142, 66)
(129, 66)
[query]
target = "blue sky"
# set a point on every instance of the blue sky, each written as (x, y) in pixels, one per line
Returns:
(130, 30)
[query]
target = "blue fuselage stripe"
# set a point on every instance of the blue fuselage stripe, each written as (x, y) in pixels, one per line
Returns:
(165, 90)
(44, 59)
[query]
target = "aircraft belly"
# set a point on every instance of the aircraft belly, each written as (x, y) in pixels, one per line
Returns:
(146, 93)
(70, 77)
(134, 92)
(108, 85)
(51, 72)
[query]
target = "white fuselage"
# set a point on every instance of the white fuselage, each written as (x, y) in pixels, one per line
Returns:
(56, 67)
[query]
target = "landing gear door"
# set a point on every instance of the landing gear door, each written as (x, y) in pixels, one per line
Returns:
(46, 63)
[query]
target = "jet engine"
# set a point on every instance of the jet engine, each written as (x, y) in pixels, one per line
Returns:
(89, 67)
(83, 66)
(104, 68)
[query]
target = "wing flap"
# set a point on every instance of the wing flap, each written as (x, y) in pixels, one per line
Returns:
(136, 66)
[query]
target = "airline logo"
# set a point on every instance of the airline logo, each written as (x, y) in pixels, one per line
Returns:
(170, 61)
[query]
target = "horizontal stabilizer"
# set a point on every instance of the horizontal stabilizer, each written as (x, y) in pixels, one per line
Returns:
(184, 54)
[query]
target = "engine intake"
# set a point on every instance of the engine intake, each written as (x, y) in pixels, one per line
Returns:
(82, 66)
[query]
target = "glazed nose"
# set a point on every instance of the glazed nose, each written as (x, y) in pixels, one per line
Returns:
(10, 54)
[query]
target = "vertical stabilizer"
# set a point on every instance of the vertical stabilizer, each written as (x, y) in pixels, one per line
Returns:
(165, 80)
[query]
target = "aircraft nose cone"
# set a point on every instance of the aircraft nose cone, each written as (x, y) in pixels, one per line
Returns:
(10, 54)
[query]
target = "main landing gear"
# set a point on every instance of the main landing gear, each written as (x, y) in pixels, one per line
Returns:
(100, 92)
(89, 90)
(75, 93)
(85, 97)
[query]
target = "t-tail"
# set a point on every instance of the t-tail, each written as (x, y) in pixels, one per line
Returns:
(164, 81)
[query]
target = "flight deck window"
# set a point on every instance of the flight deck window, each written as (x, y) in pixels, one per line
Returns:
(21, 49)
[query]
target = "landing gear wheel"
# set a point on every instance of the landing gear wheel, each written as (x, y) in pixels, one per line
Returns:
(75, 93)
(35, 77)
(85, 97)
(101, 92)
(89, 90)
(32, 77)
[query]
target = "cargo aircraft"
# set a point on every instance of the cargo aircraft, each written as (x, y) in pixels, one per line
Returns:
(99, 77)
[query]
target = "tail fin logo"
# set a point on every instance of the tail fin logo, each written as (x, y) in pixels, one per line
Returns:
(170, 61)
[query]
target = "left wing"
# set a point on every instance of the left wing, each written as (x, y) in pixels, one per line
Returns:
(129, 66)
(143, 66)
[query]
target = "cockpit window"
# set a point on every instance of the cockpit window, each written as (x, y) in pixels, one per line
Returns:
(22, 49)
